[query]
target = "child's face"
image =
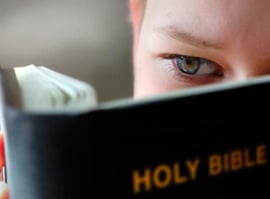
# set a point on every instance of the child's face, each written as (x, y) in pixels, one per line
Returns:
(186, 43)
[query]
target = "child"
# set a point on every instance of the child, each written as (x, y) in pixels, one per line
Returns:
(184, 43)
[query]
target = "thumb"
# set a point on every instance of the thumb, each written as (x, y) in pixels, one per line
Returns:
(3, 186)
(2, 151)
(2, 155)
(3, 191)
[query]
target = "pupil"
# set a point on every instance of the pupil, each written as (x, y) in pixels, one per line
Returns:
(188, 65)
(189, 61)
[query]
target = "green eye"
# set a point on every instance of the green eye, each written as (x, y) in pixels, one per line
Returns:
(196, 66)
(188, 65)
(193, 70)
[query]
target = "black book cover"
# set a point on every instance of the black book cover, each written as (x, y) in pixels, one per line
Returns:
(211, 145)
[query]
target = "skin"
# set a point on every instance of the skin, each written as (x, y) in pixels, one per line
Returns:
(232, 37)
(3, 186)
(228, 40)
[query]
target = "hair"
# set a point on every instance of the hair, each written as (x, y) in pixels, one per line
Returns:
(137, 8)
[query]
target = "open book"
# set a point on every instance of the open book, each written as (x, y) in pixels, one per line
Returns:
(38, 88)
(210, 141)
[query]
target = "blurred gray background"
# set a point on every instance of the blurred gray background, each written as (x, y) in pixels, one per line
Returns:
(87, 39)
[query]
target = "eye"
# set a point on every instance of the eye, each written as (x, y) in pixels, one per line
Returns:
(188, 65)
(195, 65)
(193, 70)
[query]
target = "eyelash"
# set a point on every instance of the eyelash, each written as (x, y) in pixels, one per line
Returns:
(180, 75)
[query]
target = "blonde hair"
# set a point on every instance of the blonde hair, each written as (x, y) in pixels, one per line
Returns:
(143, 6)
(137, 8)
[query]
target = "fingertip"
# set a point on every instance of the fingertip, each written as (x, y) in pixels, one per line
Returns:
(2, 151)
(4, 194)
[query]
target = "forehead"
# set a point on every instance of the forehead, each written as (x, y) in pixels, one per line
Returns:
(224, 20)
(242, 10)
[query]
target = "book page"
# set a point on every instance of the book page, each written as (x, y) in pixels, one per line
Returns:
(39, 89)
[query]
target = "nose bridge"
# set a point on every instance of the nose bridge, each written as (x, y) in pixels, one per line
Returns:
(246, 70)
(249, 53)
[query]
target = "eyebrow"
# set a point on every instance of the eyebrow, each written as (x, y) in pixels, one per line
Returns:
(187, 37)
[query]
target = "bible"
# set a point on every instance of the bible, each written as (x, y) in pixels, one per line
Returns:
(208, 141)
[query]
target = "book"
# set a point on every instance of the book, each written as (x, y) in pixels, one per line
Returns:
(209, 141)
(38, 88)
